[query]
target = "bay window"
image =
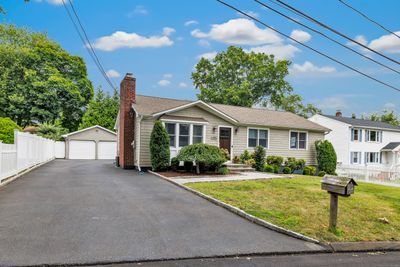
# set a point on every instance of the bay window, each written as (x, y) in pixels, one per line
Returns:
(298, 140)
(257, 137)
(183, 134)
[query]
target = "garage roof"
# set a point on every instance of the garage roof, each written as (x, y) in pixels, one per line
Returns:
(87, 129)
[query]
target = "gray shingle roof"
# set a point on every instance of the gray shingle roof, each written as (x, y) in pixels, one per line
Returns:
(148, 105)
(391, 146)
(365, 123)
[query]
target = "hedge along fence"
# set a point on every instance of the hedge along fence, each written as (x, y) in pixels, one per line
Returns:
(27, 151)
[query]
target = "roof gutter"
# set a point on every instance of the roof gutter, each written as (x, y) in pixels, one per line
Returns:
(140, 117)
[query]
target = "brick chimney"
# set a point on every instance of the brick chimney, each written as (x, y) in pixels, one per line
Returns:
(338, 113)
(126, 121)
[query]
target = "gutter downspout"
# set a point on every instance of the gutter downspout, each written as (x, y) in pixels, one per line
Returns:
(138, 142)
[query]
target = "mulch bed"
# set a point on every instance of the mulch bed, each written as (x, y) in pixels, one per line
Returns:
(171, 173)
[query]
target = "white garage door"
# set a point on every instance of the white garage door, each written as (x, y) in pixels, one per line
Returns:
(107, 150)
(82, 149)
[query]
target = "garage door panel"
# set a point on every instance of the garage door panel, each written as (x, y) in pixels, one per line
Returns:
(82, 149)
(107, 150)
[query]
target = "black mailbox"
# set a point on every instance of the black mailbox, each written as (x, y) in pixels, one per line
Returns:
(338, 185)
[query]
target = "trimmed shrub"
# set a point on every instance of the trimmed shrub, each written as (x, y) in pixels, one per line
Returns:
(321, 173)
(300, 164)
(309, 170)
(250, 162)
(268, 168)
(226, 153)
(245, 156)
(7, 127)
(326, 156)
(286, 170)
(274, 160)
(236, 159)
(276, 168)
(159, 147)
(209, 155)
(295, 164)
(259, 158)
(223, 170)
(174, 164)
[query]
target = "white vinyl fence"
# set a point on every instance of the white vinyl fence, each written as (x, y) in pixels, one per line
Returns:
(371, 173)
(27, 151)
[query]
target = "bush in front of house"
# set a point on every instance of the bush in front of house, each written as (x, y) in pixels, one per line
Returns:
(226, 153)
(245, 156)
(276, 168)
(286, 170)
(295, 164)
(250, 162)
(326, 156)
(309, 170)
(259, 158)
(199, 154)
(7, 127)
(223, 170)
(269, 168)
(159, 147)
(174, 164)
(274, 160)
(236, 159)
(321, 173)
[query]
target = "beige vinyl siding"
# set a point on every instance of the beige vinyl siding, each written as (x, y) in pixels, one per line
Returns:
(279, 138)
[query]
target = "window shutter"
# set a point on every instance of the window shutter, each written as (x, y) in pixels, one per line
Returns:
(351, 157)
(365, 157)
(366, 135)
(352, 134)
(360, 135)
(380, 157)
(380, 137)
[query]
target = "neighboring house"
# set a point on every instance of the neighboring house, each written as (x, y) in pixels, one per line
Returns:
(361, 142)
(189, 122)
(94, 142)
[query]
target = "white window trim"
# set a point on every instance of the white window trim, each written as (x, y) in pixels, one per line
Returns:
(359, 158)
(177, 147)
(359, 135)
(373, 163)
(258, 136)
(378, 132)
(232, 132)
(290, 133)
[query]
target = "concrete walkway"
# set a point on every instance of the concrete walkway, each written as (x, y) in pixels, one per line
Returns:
(238, 177)
(85, 212)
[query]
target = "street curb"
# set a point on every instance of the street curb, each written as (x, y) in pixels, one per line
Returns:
(247, 216)
(9, 179)
(368, 246)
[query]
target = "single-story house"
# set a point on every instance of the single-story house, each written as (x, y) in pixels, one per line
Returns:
(189, 122)
(94, 142)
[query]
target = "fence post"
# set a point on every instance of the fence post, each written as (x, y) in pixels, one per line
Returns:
(1, 158)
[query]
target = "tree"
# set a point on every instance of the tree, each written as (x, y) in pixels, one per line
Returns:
(39, 81)
(51, 131)
(7, 127)
(387, 116)
(102, 110)
(235, 77)
(259, 158)
(326, 157)
(159, 147)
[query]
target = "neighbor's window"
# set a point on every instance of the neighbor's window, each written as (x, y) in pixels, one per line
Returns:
(355, 157)
(183, 134)
(298, 140)
(373, 136)
(257, 137)
(170, 127)
(373, 157)
(197, 134)
(356, 134)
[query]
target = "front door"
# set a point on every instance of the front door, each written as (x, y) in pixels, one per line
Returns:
(225, 134)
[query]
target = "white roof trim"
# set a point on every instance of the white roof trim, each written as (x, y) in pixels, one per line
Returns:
(116, 124)
(221, 114)
(89, 128)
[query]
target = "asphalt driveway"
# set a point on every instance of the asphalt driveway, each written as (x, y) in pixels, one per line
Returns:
(81, 211)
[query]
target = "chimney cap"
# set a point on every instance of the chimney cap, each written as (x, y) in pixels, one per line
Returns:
(129, 75)
(338, 113)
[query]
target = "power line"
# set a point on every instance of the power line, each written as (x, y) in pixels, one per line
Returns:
(326, 36)
(368, 18)
(90, 49)
(309, 47)
(298, 12)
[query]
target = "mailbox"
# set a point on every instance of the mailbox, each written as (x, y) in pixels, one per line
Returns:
(338, 185)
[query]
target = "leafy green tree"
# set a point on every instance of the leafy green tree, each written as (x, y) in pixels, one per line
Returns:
(387, 116)
(102, 110)
(159, 147)
(235, 77)
(39, 81)
(51, 131)
(7, 127)
(326, 157)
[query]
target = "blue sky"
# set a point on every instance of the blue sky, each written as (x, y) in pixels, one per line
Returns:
(161, 41)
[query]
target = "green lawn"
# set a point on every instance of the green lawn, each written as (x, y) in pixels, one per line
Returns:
(300, 205)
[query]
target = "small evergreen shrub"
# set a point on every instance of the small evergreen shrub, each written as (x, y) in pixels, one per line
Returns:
(309, 170)
(268, 168)
(286, 170)
(245, 156)
(276, 168)
(259, 158)
(174, 164)
(326, 156)
(274, 160)
(223, 170)
(300, 164)
(321, 173)
(250, 162)
(159, 147)
(7, 127)
(236, 159)
(295, 164)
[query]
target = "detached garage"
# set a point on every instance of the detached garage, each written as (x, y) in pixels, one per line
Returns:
(95, 142)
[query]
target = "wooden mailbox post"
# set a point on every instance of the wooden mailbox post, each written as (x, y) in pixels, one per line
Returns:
(337, 186)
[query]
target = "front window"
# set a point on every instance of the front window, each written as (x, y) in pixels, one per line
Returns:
(355, 157)
(197, 134)
(356, 135)
(373, 157)
(373, 136)
(171, 128)
(184, 134)
(298, 140)
(257, 137)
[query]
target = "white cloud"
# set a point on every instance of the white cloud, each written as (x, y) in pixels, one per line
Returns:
(209, 55)
(168, 31)
(386, 43)
(53, 2)
(309, 68)
(164, 83)
(389, 106)
(300, 36)
(139, 10)
(333, 102)
(167, 76)
(250, 13)
(239, 32)
(279, 50)
(191, 22)
(120, 39)
(183, 85)
(113, 74)
(203, 43)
